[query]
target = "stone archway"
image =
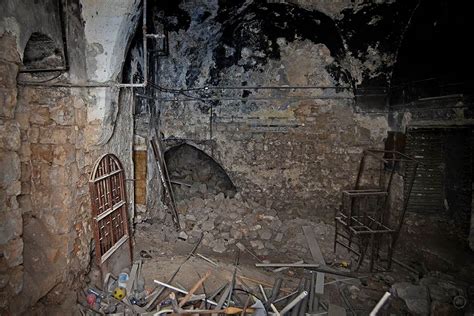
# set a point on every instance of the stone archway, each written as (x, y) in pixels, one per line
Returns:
(194, 173)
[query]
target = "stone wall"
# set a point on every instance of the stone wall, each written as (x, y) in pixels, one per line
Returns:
(292, 149)
(49, 143)
(298, 171)
(51, 135)
(58, 150)
(11, 228)
(54, 197)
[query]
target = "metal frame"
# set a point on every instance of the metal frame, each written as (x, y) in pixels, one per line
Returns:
(109, 207)
(366, 227)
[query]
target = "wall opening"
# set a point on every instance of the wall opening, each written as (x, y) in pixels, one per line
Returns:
(195, 174)
(443, 186)
(42, 52)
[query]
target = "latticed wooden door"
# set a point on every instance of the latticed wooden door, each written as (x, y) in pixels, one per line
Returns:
(109, 206)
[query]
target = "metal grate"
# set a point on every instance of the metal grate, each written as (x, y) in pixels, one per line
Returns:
(109, 206)
(428, 192)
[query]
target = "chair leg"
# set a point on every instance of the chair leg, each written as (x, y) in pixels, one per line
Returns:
(372, 255)
(389, 253)
(362, 250)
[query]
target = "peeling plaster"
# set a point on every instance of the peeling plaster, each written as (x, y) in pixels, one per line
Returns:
(109, 25)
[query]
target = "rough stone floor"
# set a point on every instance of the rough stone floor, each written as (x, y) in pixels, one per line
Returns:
(423, 293)
(431, 292)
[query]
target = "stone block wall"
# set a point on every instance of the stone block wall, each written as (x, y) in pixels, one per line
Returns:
(11, 228)
(48, 145)
(296, 141)
(54, 195)
(296, 164)
(58, 150)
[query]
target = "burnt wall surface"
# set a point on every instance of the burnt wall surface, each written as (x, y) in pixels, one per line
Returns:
(291, 148)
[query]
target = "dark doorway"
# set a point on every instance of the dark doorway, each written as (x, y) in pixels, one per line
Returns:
(444, 178)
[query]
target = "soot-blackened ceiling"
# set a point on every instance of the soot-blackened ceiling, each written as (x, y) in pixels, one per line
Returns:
(364, 33)
(373, 43)
(436, 44)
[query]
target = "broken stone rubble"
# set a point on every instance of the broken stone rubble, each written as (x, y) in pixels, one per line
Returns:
(225, 222)
(434, 295)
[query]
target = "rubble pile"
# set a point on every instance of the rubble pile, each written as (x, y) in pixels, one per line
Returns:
(434, 294)
(227, 223)
(194, 174)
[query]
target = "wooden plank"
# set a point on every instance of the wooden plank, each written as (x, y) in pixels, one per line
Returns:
(319, 259)
(163, 171)
(194, 288)
(313, 245)
(319, 288)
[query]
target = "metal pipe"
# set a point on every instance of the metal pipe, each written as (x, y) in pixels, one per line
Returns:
(380, 304)
(27, 70)
(275, 310)
(275, 290)
(180, 291)
(285, 297)
(264, 295)
(67, 85)
(284, 268)
(309, 266)
(304, 303)
(297, 299)
(289, 265)
(312, 307)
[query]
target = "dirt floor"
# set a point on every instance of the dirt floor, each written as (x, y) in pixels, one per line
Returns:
(418, 290)
(357, 295)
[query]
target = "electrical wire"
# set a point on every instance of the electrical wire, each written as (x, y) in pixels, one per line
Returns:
(42, 81)
(289, 98)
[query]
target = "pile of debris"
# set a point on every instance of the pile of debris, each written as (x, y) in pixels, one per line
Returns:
(237, 294)
(228, 223)
(435, 294)
(214, 287)
(194, 174)
(126, 295)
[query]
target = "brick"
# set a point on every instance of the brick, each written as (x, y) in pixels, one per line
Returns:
(12, 225)
(8, 49)
(40, 116)
(42, 153)
(10, 136)
(8, 73)
(11, 170)
(12, 253)
(7, 102)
